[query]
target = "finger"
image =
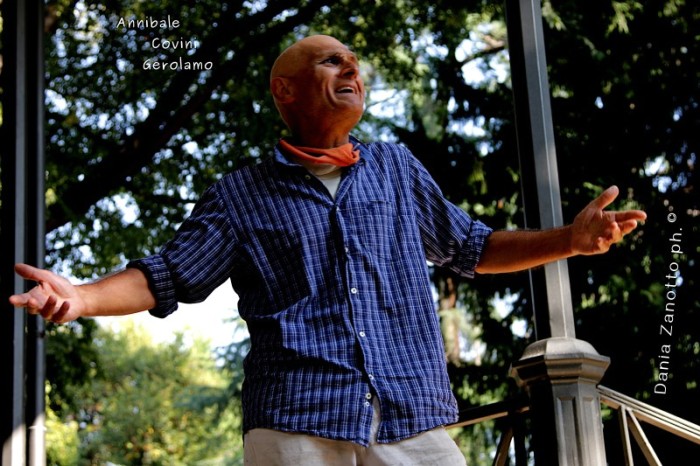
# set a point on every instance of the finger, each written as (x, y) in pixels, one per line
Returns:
(637, 215)
(60, 314)
(605, 198)
(19, 300)
(32, 305)
(31, 273)
(47, 311)
(627, 226)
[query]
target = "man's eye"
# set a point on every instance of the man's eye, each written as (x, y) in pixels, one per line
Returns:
(331, 60)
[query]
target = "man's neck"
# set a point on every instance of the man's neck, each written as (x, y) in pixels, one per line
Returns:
(319, 139)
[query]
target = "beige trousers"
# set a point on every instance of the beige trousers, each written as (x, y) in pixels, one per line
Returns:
(265, 447)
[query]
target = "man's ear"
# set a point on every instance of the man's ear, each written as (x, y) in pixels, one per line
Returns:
(282, 90)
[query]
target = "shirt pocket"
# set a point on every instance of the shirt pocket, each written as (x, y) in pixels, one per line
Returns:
(374, 226)
(282, 266)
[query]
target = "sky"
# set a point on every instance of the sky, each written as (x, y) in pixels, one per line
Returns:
(210, 319)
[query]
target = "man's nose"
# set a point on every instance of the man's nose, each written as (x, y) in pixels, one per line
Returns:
(350, 70)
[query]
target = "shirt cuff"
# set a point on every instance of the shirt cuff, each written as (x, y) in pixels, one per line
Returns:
(160, 282)
(471, 251)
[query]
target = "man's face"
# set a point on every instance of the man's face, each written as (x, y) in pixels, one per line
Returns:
(331, 77)
(324, 77)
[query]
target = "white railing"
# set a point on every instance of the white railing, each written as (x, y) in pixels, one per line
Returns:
(631, 413)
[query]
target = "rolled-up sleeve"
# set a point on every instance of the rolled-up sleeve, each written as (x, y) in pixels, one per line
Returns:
(160, 283)
(451, 237)
(469, 254)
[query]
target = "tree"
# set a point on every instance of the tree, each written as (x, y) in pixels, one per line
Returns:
(625, 111)
(624, 81)
(164, 403)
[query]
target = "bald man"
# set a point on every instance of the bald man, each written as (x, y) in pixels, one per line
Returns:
(326, 243)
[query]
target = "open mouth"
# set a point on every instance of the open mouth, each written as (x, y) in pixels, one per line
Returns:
(346, 90)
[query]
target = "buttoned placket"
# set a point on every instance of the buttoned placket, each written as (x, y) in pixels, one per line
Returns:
(354, 293)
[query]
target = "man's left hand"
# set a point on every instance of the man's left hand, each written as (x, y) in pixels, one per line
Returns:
(595, 229)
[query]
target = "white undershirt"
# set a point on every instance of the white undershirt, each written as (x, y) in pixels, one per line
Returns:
(327, 173)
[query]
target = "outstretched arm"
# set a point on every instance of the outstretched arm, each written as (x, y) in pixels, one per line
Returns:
(58, 300)
(593, 231)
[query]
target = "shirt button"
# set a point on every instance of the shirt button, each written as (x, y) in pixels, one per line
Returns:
(353, 290)
(308, 177)
(347, 249)
(368, 396)
(371, 377)
(363, 334)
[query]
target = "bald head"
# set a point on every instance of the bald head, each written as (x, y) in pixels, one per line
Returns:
(317, 88)
(289, 62)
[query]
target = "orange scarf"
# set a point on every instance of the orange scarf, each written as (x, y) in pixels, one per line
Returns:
(342, 156)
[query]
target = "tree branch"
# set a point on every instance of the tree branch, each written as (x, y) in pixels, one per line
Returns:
(169, 116)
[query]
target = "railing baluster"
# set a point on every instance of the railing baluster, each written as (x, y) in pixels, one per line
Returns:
(503, 447)
(625, 434)
(642, 441)
(521, 455)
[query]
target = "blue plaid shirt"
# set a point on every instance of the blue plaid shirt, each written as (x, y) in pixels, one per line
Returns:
(335, 292)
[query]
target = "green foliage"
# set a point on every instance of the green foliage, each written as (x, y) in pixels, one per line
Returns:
(163, 403)
(62, 440)
(72, 362)
(623, 76)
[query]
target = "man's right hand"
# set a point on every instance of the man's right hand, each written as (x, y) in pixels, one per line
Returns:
(54, 298)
